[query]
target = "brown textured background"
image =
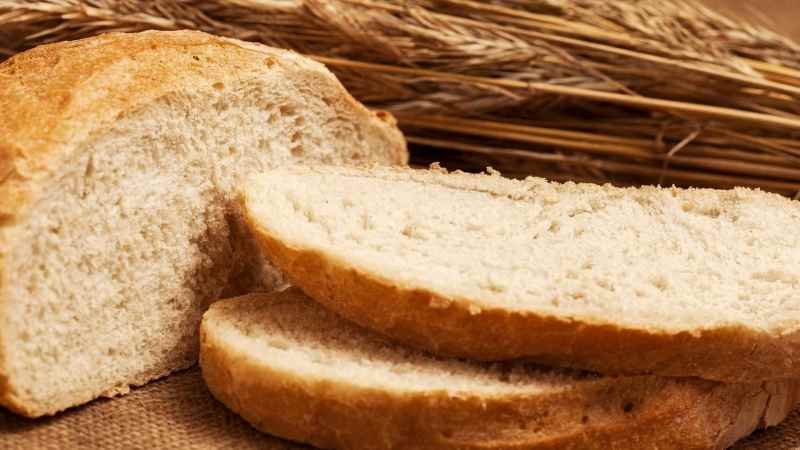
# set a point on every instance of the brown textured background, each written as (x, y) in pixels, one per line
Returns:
(780, 15)
(179, 413)
(176, 413)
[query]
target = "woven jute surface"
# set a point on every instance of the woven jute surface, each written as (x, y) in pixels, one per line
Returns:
(179, 413)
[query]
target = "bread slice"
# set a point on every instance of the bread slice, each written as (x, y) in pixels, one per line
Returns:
(118, 224)
(295, 370)
(635, 281)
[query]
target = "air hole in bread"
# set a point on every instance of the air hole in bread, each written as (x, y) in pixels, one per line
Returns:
(219, 86)
(366, 222)
(712, 211)
(287, 110)
(777, 276)
(494, 283)
(24, 335)
(89, 170)
(578, 295)
(572, 274)
(221, 105)
(575, 212)
(660, 282)
(605, 284)
(297, 150)
(643, 201)
(416, 231)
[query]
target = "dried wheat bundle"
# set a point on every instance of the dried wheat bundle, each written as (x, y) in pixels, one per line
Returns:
(636, 91)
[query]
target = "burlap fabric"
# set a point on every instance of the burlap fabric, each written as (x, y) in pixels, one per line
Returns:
(179, 413)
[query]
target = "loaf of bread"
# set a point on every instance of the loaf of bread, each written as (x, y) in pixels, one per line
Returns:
(646, 280)
(118, 224)
(295, 370)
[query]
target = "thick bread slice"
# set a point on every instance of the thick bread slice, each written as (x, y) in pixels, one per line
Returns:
(293, 369)
(638, 281)
(118, 157)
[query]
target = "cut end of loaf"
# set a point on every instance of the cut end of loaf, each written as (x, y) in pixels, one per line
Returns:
(124, 225)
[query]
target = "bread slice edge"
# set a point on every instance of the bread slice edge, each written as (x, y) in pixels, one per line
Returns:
(454, 327)
(333, 414)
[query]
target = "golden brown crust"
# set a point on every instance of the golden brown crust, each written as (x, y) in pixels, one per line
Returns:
(11, 403)
(55, 98)
(605, 413)
(446, 326)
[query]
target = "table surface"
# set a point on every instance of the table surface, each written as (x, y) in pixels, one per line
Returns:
(178, 412)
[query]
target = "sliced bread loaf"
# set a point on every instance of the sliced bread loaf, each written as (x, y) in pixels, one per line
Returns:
(295, 370)
(118, 225)
(638, 281)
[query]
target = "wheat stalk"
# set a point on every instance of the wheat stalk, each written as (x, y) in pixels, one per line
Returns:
(636, 91)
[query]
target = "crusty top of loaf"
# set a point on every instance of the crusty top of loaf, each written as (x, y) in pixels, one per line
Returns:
(54, 97)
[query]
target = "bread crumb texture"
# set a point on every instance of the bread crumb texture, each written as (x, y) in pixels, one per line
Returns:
(119, 155)
(650, 258)
(296, 370)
